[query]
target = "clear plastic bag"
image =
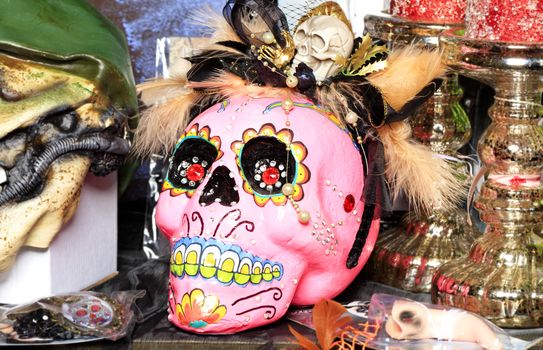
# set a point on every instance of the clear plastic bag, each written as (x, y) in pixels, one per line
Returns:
(405, 324)
(72, 316)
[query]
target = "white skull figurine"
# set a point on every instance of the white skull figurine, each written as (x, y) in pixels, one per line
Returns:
(320, 42)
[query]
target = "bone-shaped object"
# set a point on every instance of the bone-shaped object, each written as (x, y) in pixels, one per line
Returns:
(413, 320)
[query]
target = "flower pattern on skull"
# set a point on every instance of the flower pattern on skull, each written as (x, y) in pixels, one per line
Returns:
(198, 310)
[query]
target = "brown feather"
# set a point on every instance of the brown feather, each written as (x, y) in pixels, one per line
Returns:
(328, 320)
(409, 70)
(161, 124)
(214, 23)
(427, 181)
(410, 167)
(333, 100)
(159, 91)
(304, 342)
(172, 99)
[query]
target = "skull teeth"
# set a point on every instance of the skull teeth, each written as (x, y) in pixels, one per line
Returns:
(212, 259)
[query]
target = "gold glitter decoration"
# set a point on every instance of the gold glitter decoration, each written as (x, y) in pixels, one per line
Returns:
(279, 56)
(360, 63)
(328, 8)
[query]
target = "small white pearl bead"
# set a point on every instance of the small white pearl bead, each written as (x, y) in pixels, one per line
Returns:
(288, 189)
(287, 105)
(268, 38)
(304, 217)
(351, 118)
(292, 81)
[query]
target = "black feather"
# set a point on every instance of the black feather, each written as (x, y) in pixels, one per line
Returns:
(235, 45)
(207, 64)
(235, 11)
(411, 107)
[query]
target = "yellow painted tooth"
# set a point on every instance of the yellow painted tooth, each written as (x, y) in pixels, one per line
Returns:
(177, 270)
(228, 265)
(267, 274)
(226, 272)
(244, 275)
(245, 269)
(255, 279)
(177, 267)
(191, 267)
(210, 260)
(241, 279)
(178, 258)
(192, 258)
(208, 268)
(256, 276)
(276, 272)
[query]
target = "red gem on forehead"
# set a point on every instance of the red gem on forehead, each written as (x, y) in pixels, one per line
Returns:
(348, 204)
(270, 176)
(195, 172)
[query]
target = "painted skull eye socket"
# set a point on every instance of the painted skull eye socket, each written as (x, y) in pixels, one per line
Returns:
(267, 165)
(191, 162)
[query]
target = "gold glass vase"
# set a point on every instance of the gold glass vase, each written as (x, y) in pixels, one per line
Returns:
(502, 277)
(407, 256)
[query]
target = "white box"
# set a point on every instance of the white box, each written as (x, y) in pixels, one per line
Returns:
(83, 253)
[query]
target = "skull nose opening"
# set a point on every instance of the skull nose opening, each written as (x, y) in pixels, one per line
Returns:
(221, 188)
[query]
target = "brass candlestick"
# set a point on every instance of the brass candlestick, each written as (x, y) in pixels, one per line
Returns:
(502, 277)
(407, 256)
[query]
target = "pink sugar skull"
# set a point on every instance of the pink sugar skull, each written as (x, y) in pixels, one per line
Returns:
(242, 250)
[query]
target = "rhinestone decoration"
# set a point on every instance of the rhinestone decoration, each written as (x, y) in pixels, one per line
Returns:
(89, 312)
(326, 234)
(195, 172)
(271, 176)
(348, 204)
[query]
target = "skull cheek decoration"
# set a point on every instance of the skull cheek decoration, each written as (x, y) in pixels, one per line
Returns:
(63, 112)
(241, 250)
